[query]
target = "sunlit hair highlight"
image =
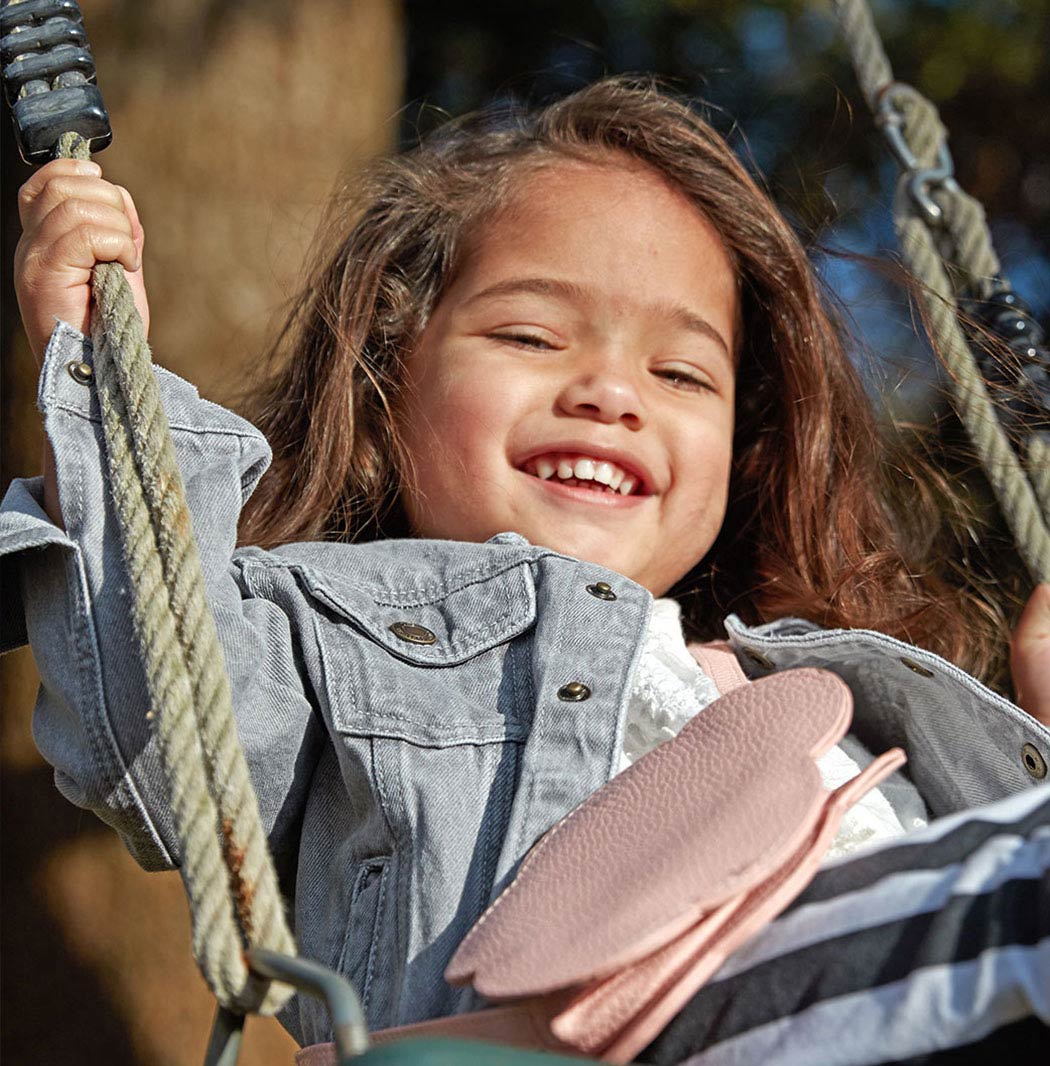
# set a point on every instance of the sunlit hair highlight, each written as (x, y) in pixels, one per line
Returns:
(810, 529)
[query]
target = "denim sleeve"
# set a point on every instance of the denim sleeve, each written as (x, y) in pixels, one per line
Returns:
(67, 594)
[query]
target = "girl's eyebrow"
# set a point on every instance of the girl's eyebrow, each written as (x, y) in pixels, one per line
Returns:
(573, 293)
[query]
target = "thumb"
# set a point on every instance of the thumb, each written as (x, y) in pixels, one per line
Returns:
(1030, 656)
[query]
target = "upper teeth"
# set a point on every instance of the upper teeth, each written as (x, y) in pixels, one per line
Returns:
(600, 470)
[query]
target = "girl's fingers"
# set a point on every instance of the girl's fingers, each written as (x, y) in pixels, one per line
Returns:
(138, 234)
(1030, 656)
(68, 189)
(39, 180)
(52, 277)
(77, 230)
(53, 280)
(75, 254)
(71, 220)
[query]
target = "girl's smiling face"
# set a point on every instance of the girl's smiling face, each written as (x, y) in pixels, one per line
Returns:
(591, 329)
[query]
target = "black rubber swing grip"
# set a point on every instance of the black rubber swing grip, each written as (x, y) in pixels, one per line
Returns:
(49, 77)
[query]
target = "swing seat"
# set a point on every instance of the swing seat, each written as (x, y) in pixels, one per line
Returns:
(439, 1052)
(512, 1034)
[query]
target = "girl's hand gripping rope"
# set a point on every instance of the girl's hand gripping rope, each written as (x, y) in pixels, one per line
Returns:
(72, 218)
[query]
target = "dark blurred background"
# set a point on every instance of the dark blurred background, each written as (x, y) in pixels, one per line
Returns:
(780, 86)
(234, 118)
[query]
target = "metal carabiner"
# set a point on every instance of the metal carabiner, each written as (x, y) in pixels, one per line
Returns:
(890, 122)
(921, 181)
(924, 182)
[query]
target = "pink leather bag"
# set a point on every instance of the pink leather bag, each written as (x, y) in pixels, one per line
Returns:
(623, 909)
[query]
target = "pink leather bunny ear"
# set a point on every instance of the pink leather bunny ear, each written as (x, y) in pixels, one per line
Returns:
(694, 823)
(620, 1016)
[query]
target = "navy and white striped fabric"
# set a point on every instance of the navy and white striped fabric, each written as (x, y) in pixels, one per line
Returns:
(933, 948)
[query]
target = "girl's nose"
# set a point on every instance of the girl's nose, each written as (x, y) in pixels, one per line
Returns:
(604, 396)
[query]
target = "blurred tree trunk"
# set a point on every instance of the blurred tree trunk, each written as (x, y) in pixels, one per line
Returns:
(231, 123)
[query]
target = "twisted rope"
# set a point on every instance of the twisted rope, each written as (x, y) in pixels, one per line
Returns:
(976, 409)
(1039, 468)
(226, 865)
(1023, 495)
(870, 61)
(964, 221)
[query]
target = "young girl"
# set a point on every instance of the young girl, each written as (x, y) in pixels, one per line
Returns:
(552, 366)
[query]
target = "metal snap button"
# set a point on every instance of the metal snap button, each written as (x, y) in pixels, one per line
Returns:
(916, 668)
(573, 692)
(1033, 761)
(759, 659)
(80, 372)
(600, 590)
(412, 633)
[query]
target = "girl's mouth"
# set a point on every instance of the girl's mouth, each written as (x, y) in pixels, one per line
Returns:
(584, 490)
(595, 476)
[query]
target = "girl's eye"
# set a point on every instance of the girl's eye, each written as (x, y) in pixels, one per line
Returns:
(524, 340)
(684, 380)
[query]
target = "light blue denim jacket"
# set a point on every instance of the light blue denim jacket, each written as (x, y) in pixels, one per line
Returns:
(400, 783)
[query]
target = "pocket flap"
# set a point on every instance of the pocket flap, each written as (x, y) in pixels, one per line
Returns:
(439, 625)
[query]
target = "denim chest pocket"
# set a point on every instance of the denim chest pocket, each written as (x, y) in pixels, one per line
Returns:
(436, 666)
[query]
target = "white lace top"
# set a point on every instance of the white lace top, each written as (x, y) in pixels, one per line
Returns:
(669, 688)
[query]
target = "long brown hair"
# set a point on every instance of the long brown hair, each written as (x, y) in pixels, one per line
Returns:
(810, 530)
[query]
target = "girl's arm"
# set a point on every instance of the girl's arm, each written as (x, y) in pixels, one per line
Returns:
(64, 579)
(66, 592)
